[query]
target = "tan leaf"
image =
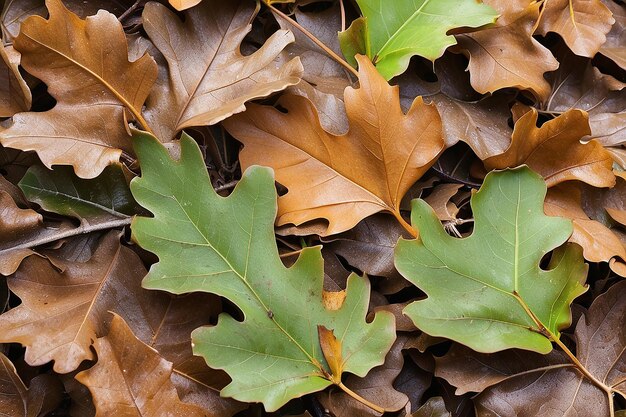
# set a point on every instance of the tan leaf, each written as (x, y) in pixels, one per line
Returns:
(483, 125)
(599, 243)
(14, 93)
(331, 348)
(583, 24)
(209, 79)
(184, 4)
(342, 178)
(440, 201)
(554, 150)
(43, 395)
(506, 55)
(85, 65)
(131, 379)
(615, 46)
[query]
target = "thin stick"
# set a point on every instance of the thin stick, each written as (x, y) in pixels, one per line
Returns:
(319, 43)
(343, 16)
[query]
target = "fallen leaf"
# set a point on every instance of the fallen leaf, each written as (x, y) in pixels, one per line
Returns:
(42, 397)
(85, 65)
(506, 55)
(391, 33)
(274, 354)
(555, 152)
(14, 93)
(131, 379)
(440, 201)
(207, 78)
(599, 243)
(614, 48)
(102, 199)
(583, 24)
(487, 304)
(527, 384)
(181, 5)
(382, 155)
(434, 407)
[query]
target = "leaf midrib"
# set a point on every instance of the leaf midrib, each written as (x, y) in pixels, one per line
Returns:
(404, 25)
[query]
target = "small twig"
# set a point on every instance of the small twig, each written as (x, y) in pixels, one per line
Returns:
(129, 11)
(457, 180)
(343, 16)
(290, 254)
(314, 39)
(227, 186)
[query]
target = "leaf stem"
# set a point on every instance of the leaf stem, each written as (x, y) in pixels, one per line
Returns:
(360, 399)
(404, 223)
(314, 39)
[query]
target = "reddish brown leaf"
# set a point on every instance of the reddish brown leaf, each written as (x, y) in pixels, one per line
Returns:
(131, 379)
(583, 24)
(506, 55)
(554, 150)
(342, 179)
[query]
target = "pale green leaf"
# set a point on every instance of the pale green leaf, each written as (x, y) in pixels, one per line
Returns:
(488, 290)
(391, 32)
(226, 246)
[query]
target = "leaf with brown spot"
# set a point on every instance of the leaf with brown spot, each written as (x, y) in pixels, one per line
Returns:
(555, 152)
(506, 55)
(14, 93)
(85, 65)
(342, 179)
(207, 78)
(583, 24)
(131, 379)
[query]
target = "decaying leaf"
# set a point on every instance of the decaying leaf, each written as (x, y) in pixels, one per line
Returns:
(506, 55)
(434, 407)
(15, 95)
(382, 155)
(555, 151)
(85, 65)
(390, 33)
(226, 246)
(502, 299)
(527, 384)
(583, 24)
(208, 79)
(131, 379)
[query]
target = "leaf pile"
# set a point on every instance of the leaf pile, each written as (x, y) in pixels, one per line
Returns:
(312, 208)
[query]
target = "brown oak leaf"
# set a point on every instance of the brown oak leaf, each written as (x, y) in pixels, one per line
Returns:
(342, 179)
(132, 379)
(85, 65)
(615, 46)
(583, 24)
(15, 95)
(506, 55)
(554, 150)
(207, 78)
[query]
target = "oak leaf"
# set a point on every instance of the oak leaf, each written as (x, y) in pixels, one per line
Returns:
(506, 55)
(527, 384)
(207, 78)
(614, 48)
(555, 152)
(131, 379)
(274, 354)
(85, 65)
(502, 299)
(583, 24)
(15, 95)
(342, 179)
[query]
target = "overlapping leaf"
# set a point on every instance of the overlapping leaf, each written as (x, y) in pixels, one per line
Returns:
(342, 179)
(226, 246)
(390, 33)
(502, 298)
(15, 95)
(85, 65)
(207, 77)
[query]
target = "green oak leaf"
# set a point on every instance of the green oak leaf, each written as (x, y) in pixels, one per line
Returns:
(104, 198)
(226, 246)
(391, 32)
(488, 291)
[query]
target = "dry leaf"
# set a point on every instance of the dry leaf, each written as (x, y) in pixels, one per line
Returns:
(506, 55)
(440, 202)
(131, 379)
(555, 152)
(583, 24)
(615, 46)
(85, 65)
(14, 93)
(208, 78)
(347, 178)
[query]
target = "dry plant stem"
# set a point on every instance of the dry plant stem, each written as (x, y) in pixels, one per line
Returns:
(581, 368)
(360, 399)
(343, 16)
(405, 224)
(309, 35)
